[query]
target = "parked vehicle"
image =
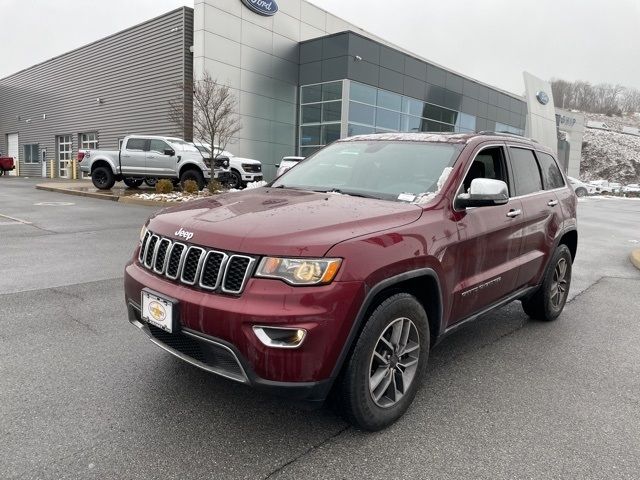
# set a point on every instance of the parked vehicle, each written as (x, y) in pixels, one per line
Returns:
(143, 157)
(344, 272)
(631, 188)
(6, 164)
(582, 189)
(287, 163)
(615, 187)
(242, 170)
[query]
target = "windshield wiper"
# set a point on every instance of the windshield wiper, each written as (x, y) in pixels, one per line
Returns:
(347, 192)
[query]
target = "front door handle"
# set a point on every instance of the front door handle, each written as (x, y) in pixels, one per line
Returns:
(514, 213)
(552, 203)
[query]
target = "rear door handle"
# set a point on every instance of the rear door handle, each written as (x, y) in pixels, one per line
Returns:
(552, 203)
(514, 213)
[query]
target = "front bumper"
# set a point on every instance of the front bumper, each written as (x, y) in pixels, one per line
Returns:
(251, 177)
(216, 330)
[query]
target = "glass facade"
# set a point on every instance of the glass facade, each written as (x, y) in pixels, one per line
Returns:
(372, 110)
(320, 115)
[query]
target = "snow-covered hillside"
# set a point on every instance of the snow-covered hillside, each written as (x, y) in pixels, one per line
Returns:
(610, 155)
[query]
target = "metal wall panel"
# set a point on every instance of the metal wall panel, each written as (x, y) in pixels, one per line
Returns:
(133, 72)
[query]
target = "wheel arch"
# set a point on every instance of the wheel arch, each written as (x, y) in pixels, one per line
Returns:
(570, 239)
(101, 162)
(421, 283)
(188, 166)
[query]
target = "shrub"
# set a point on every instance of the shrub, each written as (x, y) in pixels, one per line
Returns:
(190, 186)
(214, 186)
(164, 186)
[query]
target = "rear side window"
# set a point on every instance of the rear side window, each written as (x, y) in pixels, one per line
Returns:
(136, 144)
(550, 171)
(526, 174)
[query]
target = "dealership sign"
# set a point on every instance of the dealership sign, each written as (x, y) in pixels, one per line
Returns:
(262, 7)
(542, 97)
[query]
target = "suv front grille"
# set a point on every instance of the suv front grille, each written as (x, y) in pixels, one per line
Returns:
(208, 269)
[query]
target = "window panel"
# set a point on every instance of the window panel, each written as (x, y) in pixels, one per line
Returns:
(389, 100)
(158, 146)
(331, 111)
(363, 93)
(330, 133)
(360, 113)
(526, 173)
(359, 130)
(312, 93)
(311, 113)
(332, 91)
(410, 124)
(306, 151)
(387, 119)
(550, 171)
(31, 153)
(412, 106)
(136, 144)
(310, 135)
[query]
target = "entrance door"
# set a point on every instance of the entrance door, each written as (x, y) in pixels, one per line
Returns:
(64, 145)
(43, 162)
(13, 150)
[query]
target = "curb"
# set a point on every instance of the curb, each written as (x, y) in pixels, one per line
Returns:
(101, 196)
(635, 258)
(142, 201)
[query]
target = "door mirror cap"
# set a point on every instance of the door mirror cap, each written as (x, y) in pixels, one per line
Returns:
(170, 151)
(484, 192)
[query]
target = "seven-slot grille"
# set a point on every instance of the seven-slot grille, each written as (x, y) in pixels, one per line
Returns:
(208, 269)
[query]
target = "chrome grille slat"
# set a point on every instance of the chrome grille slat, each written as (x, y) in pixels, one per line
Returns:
(192, 265)
(204, 268)
(236, 273)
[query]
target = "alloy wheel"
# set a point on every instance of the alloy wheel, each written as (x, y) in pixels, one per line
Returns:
(559, 284)
(394, 362)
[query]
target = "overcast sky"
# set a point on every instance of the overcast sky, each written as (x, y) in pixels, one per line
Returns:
(490, 40)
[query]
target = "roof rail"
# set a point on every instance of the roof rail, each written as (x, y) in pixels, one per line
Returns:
(508, 134)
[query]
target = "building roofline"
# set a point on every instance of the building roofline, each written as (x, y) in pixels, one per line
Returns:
(183, 8)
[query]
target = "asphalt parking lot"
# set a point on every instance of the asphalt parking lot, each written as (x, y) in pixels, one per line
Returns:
(85, 395)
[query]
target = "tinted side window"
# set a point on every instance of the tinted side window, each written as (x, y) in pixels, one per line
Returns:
(159, 146)
(550, 171)
(136, 144)
(526, 173)
(489, 163)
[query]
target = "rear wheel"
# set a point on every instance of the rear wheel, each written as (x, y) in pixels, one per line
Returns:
(581, 192)
(192, 174)
(103, 178)
(132, 182)
(549, 300)
(383, 374)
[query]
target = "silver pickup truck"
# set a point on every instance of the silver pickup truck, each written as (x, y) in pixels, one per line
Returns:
(144, 156)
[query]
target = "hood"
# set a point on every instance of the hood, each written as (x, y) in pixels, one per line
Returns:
(245, 160)
(269, 221)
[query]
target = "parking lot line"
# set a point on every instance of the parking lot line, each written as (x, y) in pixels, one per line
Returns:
(14, 219)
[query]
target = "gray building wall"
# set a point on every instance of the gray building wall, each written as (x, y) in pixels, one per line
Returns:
(356, 57)
(134, 72)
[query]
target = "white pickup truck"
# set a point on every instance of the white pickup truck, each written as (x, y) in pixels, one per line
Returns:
(144, 156)
(242, 170)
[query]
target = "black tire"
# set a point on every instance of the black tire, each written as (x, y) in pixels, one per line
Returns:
(235, 180)
(192, 174)
(132, 182)
(103, 178)
(581, 192)
(549, 300)
(1, 172)
(150, 181)
(355, 394)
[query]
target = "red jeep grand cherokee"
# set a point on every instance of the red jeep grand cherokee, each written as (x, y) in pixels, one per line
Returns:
(342, 273)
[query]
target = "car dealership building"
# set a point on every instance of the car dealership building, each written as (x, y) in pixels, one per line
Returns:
(302, 77)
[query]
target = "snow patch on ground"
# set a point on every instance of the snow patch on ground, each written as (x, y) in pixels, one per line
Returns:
(179, 197)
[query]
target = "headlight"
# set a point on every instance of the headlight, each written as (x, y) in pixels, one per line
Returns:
(299, 271)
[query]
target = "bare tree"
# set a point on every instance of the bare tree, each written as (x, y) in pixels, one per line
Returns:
(215, 120)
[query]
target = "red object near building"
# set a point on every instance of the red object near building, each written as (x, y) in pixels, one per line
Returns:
(6, 164)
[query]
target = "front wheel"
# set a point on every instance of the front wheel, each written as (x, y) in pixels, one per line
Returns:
(151, 181)
(581, 192)
(103, 178)
(132, 182)
(235, 180)
(192, 174)
(549, 300)
(383, 374)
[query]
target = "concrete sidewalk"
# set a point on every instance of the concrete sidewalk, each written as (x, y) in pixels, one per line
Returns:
(84, 188)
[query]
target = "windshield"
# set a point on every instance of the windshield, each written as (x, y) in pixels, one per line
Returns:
(203, 149)
(400, 170)
(183, 146)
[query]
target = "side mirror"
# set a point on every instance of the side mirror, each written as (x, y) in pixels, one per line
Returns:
(484, 192)
(170, 151)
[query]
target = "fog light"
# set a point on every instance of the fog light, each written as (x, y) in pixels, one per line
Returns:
(279, 337)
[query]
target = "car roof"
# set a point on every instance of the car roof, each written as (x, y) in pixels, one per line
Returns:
(453, 138)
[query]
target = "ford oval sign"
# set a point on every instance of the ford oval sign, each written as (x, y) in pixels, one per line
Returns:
(542, 97)
(262, 7)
